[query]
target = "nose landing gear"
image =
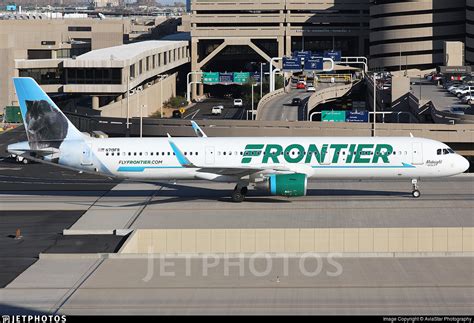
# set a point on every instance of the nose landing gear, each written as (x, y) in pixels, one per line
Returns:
(415, 193)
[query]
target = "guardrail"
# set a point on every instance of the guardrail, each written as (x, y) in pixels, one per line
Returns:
(267, 97)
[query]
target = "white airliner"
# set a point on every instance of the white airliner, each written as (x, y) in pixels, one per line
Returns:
(279, 165)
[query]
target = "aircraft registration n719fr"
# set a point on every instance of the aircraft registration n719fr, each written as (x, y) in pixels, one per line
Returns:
(279, 165)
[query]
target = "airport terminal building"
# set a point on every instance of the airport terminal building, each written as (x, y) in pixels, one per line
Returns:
(147, 69)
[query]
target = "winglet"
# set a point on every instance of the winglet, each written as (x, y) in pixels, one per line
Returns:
(198, 129)
(411, 135)
(179, 154)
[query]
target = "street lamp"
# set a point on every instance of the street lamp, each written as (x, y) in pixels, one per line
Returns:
(129, 78)
(141, 119)
(253, 85)
(375, 104)
(261, 79)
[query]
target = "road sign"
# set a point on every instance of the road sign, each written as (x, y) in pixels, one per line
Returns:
(291, 64)
(182, 110)
(314, 63)
(256, 76)
(357, 116)
(302, 56)
(334, 54)
(333, 116)
(241, 77)
(210, 77)
(227, 77)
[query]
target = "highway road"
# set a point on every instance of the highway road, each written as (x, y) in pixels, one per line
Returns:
(280, 107)
(202, 110)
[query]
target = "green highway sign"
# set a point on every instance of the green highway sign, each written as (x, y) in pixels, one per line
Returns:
(241, 77)
(333, 116)
(210, 77)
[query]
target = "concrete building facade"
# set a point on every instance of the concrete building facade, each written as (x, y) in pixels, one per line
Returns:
(52, 39)
(108, 75)
(410, 34)
(227, 34)
(469, 45)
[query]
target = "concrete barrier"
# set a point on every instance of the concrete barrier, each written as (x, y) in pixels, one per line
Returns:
(267, 97)
(328, 93)
(321, 240)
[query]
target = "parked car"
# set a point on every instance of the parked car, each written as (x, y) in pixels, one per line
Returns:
(300, 85)
(458, 89)
(464, 91)
(238, 103)
(177, 114)
(468, 99)
(310, 88)
(296, 101)
(457, 109)
(19, 159)
(217, 110)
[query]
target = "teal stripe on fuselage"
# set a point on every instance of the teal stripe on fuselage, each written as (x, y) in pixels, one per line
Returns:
(142, 168)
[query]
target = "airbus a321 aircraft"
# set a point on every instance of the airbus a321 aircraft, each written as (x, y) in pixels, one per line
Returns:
(279, 165)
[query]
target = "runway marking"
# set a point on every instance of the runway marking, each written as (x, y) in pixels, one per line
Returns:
(10, 168)
(193, 114)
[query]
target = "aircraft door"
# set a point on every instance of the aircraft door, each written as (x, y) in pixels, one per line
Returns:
(86, 158)
(210, 156)
(417, 153)
(328, 158)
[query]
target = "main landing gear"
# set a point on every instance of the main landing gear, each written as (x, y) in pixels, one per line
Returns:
(239, 193)
(415, 193)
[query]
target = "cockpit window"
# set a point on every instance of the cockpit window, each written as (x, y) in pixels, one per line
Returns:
(451, 151)
(445, 152)
(438, 152)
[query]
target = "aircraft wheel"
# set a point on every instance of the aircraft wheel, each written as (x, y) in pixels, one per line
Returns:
(416, 193)
(237, 196)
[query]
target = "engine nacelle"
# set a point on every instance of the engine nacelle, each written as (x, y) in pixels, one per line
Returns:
(285, 184)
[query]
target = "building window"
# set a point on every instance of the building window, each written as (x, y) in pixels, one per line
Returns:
(48, 42)
(79, 28)
(132, 71)
(44, 75)
(153, 62)
(39, 54)
(94, 75)
(148, 63)
(140, 67)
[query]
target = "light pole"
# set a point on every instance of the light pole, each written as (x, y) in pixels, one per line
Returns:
(141, 119)
(274, 59)
(161, 94)
(128, 105)
(261, 79)
(375, 104)
(420, 88)
(251, 88)
(188, 82)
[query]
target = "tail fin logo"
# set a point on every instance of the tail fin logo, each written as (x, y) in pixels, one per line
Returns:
(44, 125)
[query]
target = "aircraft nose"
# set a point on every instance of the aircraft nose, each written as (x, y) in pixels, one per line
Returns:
(463, 164)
